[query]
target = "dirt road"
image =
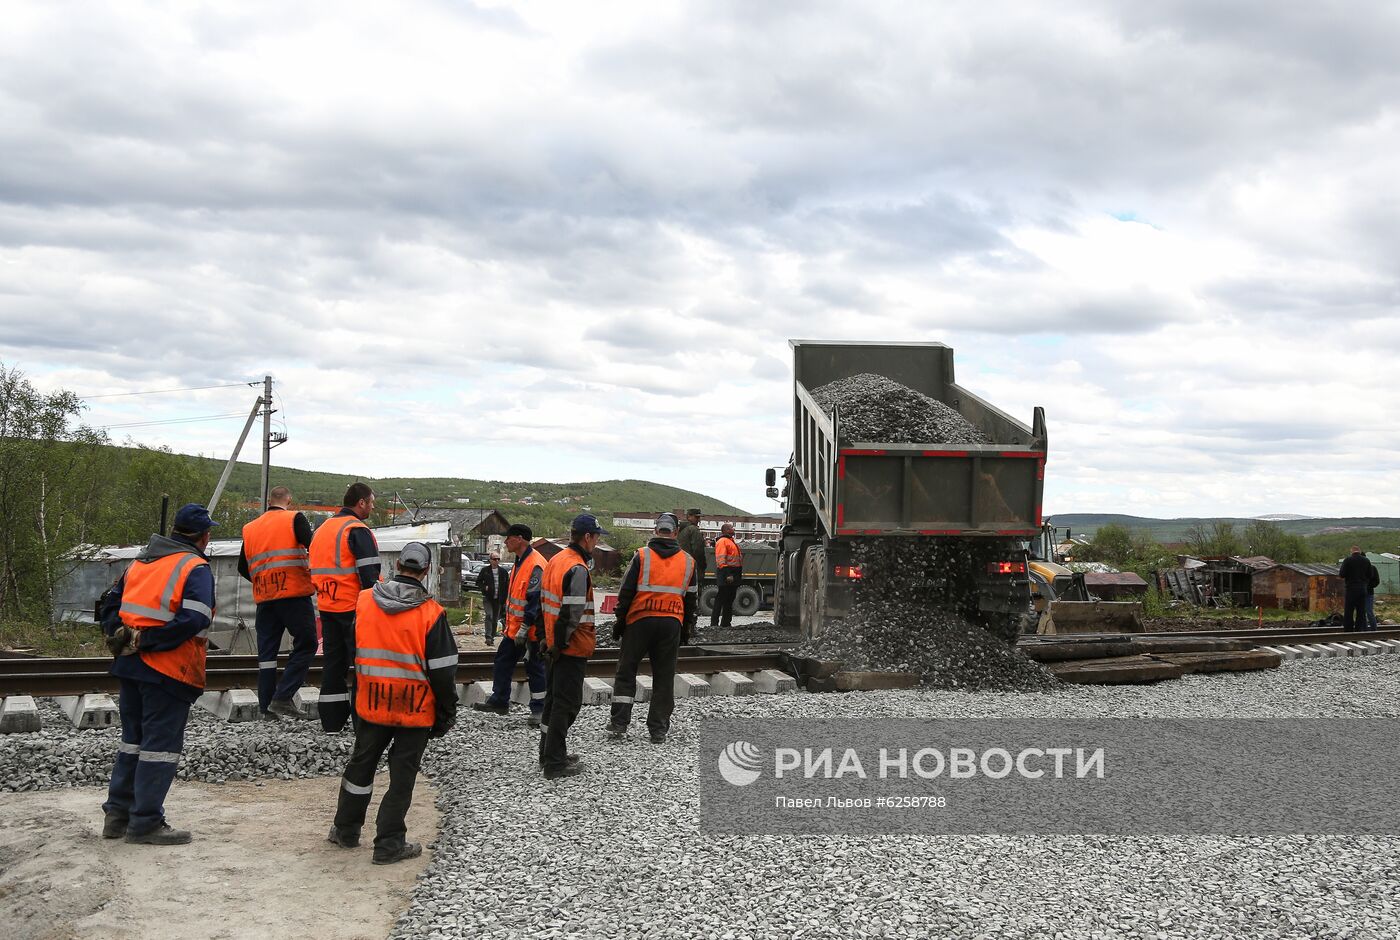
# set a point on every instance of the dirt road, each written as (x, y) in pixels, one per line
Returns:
(259, 867)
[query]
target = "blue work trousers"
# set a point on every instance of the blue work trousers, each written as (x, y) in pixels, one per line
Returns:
(293, 615)
(153, 737)
(507, 656)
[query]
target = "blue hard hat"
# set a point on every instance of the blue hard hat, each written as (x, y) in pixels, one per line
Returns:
(587, 523)
(193, 517)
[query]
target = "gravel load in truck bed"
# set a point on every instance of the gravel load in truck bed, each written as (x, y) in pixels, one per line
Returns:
(879, 409)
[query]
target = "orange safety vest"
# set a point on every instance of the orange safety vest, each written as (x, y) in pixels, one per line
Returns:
(515, 597)
(552, 600)
(391, 664)
(151, 594)
(334, 571)
(277, 563)
(727, 554)
(661, 585)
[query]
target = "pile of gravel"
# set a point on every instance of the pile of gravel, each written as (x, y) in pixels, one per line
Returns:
(216, 751)
(905, 620)
(618, 851)
(879, 409)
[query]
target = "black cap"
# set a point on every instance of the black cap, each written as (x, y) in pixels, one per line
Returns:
(520, 529)
(693, 512)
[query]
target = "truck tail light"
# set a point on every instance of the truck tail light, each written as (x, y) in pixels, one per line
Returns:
(1006, 567)
(850, 572)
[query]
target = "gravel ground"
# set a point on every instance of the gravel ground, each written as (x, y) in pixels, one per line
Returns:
(631, 861)
(215, 751)
(879, 409)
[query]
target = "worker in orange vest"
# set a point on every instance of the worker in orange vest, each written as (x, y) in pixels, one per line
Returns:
(274, 559)
(566, 601)
(522, 631)
(655, 607)
(156, 620)
(405, 693)
(729, 574)
(344, 561)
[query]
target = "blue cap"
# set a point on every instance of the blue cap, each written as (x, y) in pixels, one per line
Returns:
(587, 523)
(193, 517)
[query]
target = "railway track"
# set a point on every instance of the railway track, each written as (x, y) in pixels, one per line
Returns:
(83, 675)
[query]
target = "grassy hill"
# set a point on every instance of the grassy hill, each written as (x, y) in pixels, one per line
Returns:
(1174, 530)
(553, 503)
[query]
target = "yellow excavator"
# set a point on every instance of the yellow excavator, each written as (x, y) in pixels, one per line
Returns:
(1060, 600)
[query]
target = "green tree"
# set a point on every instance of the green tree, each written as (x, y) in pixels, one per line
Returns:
(1218, 540)
(1262, 537)
(132, 505)
(51, 474)
(1112, 545)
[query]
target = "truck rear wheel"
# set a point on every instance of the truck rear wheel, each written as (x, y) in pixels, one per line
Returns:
(785, 600)
(746, 601)
(705, 603)
(813, 609)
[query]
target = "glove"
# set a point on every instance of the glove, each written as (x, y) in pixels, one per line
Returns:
(440, 730)
(122, 642)
(552, 654)
(619, 628)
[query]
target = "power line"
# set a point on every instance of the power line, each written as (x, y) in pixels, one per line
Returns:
(159, 391)
(142, 424)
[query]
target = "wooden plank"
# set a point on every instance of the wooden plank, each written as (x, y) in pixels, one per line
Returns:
(1243, 661)
(1118, 670)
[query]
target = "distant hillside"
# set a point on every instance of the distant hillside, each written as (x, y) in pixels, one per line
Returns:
(553, 504)
(1174, 530)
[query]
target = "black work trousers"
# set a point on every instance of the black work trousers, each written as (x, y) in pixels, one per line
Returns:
(562, 702)
(723, 612)
(1354, 617)
(337, 677)
(405, 746)
(659, 640)
(294, 615)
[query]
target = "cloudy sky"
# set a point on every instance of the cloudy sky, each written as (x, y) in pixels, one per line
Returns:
(564, 241)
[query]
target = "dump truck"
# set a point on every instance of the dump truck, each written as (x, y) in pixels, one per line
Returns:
(755, 589)
(974, 507)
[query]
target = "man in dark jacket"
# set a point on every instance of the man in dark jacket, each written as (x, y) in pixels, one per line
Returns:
(1356, 572)
(1371, 584)
(156, 620)
(655, 605)
(405, 693)
(494, 582)
(691, 538)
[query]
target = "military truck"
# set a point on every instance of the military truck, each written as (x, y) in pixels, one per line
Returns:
(974, 507)
(755, 590)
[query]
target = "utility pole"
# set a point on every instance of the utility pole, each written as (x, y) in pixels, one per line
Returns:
(233, 457)
(267, 436)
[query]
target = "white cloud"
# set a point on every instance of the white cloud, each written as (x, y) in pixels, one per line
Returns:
(549, 241)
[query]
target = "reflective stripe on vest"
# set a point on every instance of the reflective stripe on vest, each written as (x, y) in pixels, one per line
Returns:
(727, 554)
(662, 585)
(277, 564)
(152, 592)
(584, 639)
(515, 597)
(334, 570)
(391, 665)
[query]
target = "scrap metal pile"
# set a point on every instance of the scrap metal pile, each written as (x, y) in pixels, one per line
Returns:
(877, 408)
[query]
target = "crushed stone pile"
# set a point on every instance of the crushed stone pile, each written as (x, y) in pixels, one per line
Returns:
(879, 409)
(905, 620)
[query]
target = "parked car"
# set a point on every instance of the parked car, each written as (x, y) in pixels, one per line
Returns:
(471, 569)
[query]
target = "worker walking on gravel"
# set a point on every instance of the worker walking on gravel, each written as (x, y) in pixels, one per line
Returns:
(274, 558)
(729, 574)
(405, 693)
(521, 636)
(691, 539)
(156, 620)
(344, 561)
(1356, 572)
(566, 601)
(655, 606)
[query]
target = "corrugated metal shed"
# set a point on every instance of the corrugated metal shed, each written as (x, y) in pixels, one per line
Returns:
(1257, 562)
(1299, 586)
(1389, 567)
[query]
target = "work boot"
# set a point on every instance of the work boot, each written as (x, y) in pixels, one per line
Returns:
(347, 838)
(268, 716)
(570, 759)
(615, 729)
(658, 737)
(571, 770)
(283, 708)
(488, 707)
(113, 825)
(164, 834)
(399, 853)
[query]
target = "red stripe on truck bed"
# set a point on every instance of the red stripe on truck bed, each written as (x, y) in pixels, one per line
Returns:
(863, 453)
(945, 453)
